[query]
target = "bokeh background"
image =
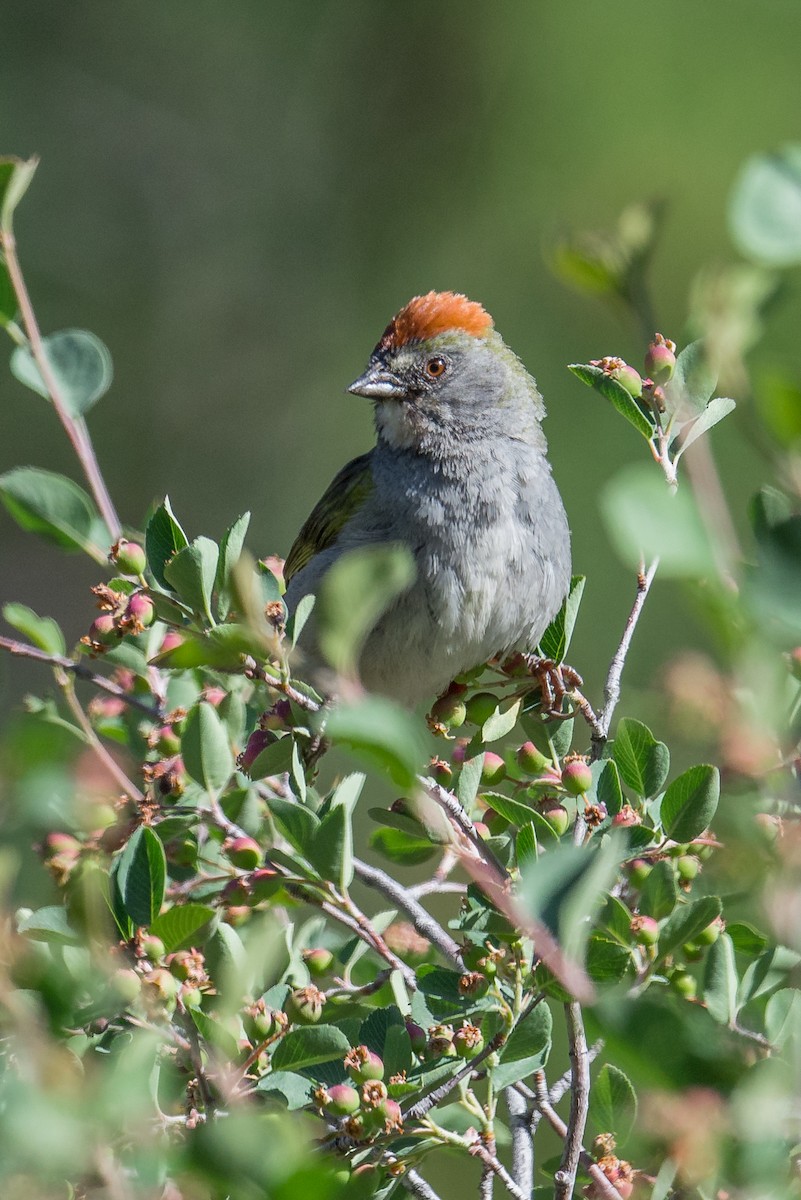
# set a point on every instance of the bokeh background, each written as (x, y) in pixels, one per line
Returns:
(236, 197)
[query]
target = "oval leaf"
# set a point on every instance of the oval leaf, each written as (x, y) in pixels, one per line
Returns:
(206, 748)
(163, 538)
(79, 362)
(192, 573)
(141, 876)
(382, 734)
(643, 762)
(613, 1103)
(721, 982)
(308, 1046)
(55, 508)
(765, 208)
(690, 803)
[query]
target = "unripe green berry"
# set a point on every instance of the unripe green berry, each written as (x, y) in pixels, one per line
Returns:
(629, 378)
(243, 852)
(152, 947)
(318, 960)
(645, 930)
(167, 742)
(576, 777)
(692, 951)
(191, 996)
(639, 870)
(127, 984)
(493, 770)
(478, 958)
(688, 867)
(104, 630)
(450, 711)
(264, 883)
(555, 814)
(683, 984)
(531, 760)
(304, 1006)
(342, 1101)
(129, 557)
(363, 1064)
(473, 984)
(660, 359)
(468, 1041)
(480, 707)
(161, 985)
(708, 936)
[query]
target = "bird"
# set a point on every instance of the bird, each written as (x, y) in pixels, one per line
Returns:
(459, 474)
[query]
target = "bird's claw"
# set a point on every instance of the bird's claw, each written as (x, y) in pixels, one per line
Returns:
(555, 680)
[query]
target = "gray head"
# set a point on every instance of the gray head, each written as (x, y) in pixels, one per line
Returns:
(440, 375)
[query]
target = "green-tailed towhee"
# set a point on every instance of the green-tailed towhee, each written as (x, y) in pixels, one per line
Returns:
(459, 474)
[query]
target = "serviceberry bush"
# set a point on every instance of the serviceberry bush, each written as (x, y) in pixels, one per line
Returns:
(593, 982)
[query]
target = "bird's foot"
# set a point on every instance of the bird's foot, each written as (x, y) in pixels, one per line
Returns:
(555, 681)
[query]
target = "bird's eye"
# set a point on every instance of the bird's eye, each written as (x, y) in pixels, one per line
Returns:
(435, 367)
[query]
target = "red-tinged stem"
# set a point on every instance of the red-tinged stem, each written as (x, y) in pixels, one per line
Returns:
(74, 428)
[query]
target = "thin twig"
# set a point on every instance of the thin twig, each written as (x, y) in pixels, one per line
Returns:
(418, 1110)
(422, 921)
(486, 1187)
(103, 755)
(562, 1085)
(522, 1143)
(565, 1177)
(414, 1183)
(539, 1098)
(374, 939)
(81, 671)
(450, 804)
(489, 1160)
(74, 428)
(612, 686)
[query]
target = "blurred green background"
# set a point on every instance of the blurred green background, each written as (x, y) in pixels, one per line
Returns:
(236, 197)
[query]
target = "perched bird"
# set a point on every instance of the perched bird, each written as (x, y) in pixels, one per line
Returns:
(459, 474)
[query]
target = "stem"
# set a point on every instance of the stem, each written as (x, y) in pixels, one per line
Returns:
(74, 427)
(522, 1143)
(415, 1184)
(543, 1105)
(612, 686)
(423, 922)
(81, 671)
(449, 803)
(374, 939)
(109, 762)
(565, 1178)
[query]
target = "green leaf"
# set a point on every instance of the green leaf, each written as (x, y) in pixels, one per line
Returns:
(141, 876)
(231, 548)
(765, 208)
(687, 921)
(783, 1016)
(565, 886)
(293, 1088)
(720, 981)
(55, 508)
(644, 518)
(308, 1046)
(526, 848)
(660, 892)
(163, 538)
(331, 851)
(511, 810)
(469, 779)
(43, 632)
(503, 720)
(215, 1034)
(382, 734)
(613, 1103)
(79, 362)
(298, 823)
(355, 591)
(183, 925)
(15, 179)
(694, 380)
(607, 961)
(690, 803)
(401, 847)
(8, 299)
(607, 786)
(527, 1049)
(276, 759)
(615, 393)
(50, 924)
(192, 571)
(299, 617)
(663, 1184)
(222, 647)
(715, 411)
(643, 762)
(555, 641)
(206, 748)
(746, 939)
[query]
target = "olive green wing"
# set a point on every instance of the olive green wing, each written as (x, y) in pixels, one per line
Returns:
(344, 496)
